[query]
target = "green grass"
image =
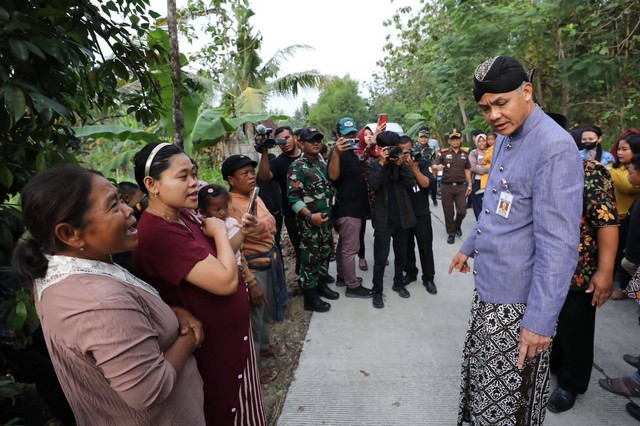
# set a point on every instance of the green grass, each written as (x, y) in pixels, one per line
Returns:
(211, 175)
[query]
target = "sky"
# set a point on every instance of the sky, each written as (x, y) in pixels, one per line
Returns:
(347, 37)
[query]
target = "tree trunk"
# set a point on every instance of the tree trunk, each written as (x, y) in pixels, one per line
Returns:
(564, 102)
(176, 77)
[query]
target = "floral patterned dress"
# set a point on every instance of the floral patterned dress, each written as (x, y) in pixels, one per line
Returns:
(599, 210)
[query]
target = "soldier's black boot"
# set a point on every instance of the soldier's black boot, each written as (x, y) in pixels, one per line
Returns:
(312, 301)
(326, 292)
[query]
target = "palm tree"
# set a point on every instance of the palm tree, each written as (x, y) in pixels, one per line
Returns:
(248, 82)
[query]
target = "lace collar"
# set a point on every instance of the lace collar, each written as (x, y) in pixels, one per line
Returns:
(61, 267)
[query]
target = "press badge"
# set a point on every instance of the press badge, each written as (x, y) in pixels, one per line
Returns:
(504, 204)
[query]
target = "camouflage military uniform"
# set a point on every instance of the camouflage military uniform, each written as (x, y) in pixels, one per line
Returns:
(309, 187)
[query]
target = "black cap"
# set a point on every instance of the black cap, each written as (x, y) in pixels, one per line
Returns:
(387, 138)
(233, 163)
(309, 134)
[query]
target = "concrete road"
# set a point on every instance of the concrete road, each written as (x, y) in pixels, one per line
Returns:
(401, 365)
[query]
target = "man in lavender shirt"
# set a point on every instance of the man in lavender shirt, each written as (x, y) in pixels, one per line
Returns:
(525, 250)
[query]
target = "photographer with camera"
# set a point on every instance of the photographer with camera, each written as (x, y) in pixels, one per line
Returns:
(455, 185)
(277, 169)
(351, 207)
(420, 166)
(310, 195)
(392, 215)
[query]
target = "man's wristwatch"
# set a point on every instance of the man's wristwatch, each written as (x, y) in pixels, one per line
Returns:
(307, 218)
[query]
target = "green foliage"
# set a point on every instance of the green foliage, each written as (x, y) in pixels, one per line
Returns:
(9, 389)
(211, 174)
(20, 314)
(247, 81)
(586, 55)
(339, 100)
(54, 74)
(214, 124)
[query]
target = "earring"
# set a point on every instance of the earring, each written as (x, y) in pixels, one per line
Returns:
(156, 194)
(81, 248)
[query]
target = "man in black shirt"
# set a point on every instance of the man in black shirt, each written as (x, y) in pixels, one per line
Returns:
(392, 215)
(271, 195)
(277, 169)
(419, 165)
(352, 205)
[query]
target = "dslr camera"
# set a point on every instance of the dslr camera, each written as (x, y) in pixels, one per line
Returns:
(395, 152)
(264, 138)
(415, 155)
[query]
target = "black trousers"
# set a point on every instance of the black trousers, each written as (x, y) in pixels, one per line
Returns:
(423, 233)
(620, 275)
(294, 236)
(476, 199)
(572, 351)
(381, 247)
(363, 229)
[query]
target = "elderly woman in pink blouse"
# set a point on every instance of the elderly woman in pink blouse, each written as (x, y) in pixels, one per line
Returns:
(122, 355)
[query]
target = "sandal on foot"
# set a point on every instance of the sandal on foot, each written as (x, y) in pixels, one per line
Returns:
(625, 386)
(267, 375)
(618, 294)
(273, 350)
(362, 264)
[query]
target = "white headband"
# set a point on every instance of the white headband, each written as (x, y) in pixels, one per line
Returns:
(147, 166)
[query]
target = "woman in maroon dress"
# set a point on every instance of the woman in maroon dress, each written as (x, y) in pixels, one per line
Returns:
(193, 266)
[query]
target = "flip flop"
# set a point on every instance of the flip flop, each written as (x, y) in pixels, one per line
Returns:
(618, 294)
(273, 351)
(364, 267)
(625, 386)
(267, 375)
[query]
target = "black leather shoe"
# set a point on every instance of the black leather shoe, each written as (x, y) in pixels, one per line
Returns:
(451, 239)
(402, 291)
(313, 303)
(459, 232)
(359, 292)
(561, 400)
(632, 360)
(430, 286)
(378, 301)
(327, 279)
(408, 279)
(326, 292)
(634, 410)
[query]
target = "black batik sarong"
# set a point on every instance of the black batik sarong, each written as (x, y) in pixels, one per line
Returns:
(494, 390)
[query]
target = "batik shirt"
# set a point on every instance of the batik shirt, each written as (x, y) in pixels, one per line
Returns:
(599, 210)
(309, 186)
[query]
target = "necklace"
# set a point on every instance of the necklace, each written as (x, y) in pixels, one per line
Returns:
(156, 213)
(168, 219)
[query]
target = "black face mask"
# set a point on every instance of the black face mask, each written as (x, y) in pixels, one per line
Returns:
(589, 145)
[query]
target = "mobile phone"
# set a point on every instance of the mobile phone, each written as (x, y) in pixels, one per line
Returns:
(353, 143)
(252, 200)
(382, 120)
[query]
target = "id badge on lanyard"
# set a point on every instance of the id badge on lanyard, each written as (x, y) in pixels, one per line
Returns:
(505, 202)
